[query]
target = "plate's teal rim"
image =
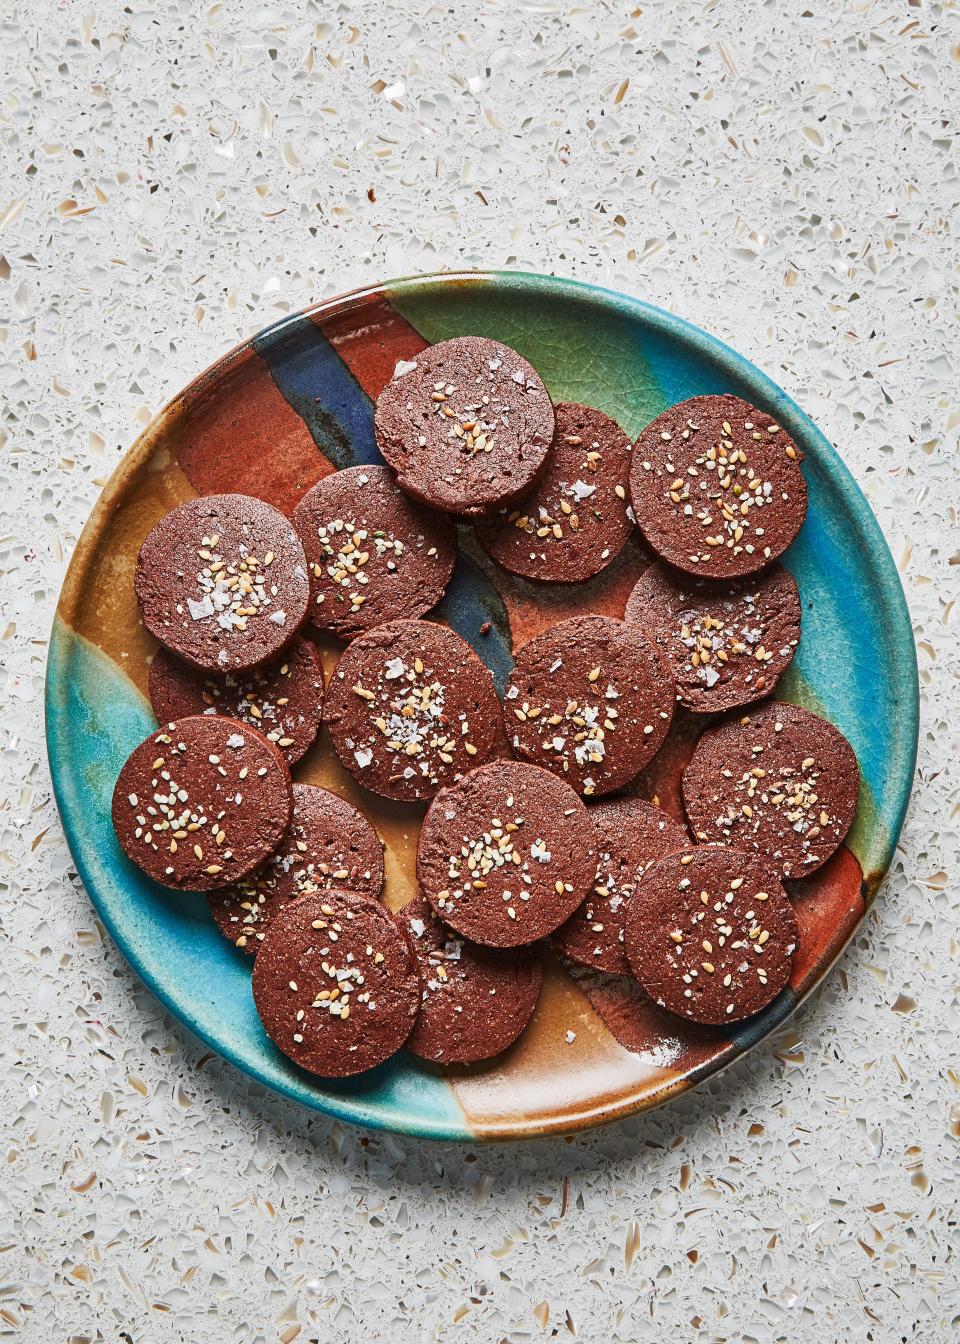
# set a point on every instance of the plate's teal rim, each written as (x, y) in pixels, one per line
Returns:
(788, 413)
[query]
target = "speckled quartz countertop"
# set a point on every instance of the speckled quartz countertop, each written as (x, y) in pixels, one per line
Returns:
(175, 177)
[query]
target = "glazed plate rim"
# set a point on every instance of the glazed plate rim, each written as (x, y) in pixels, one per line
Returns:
(386, 1116)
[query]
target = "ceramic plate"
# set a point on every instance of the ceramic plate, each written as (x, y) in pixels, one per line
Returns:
(270, 419)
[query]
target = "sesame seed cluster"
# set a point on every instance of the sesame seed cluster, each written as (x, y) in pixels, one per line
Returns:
(254, 703)
(467, 425)
(780, 782)
(592, 700)
(188, 802)
(232, 589)
(716, 487)
(470, 869)
(726, 498)
(348, 549)
(411, 707)
(412, 721)
(373, 553)
(727, 642)
(329, 844)
(222, 582)
(709, 935)
(577, 519)
(335, 984)
(283, 699)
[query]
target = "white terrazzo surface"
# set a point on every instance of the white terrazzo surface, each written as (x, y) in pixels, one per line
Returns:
(174, 177)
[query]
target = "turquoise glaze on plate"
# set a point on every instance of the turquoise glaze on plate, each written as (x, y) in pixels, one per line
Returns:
(305, 387)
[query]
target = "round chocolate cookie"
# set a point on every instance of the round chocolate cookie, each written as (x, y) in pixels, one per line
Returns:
(590, 699)
(373, 553)
(506, 855)
(466, 426)
(781, 782)
(727, 643)
(283, 699)
(630, 836)
(710, 934)
(716, 487)
(474, 1002)
(410, 707)
(574, 521)
(329, 845)
(335, 984)
(222, 581)
(202, 802)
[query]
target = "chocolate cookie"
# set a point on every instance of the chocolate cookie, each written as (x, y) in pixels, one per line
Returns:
(630, 836)
(710, 934)
(283, 699)
(373, 553)
(716, 487)
(506, 855)
(330, 845)
(590, 699)
(466, 426)
(575, 519)
(474, 1002)
(202, 802)
(781, 782)
(222, 581)
(334, 983)
(410, 707)
(727, 643)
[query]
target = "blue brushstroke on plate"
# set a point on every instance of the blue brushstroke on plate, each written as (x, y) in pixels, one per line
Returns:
(324, 393)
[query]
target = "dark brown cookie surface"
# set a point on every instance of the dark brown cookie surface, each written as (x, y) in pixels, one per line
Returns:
(590, 699)
(283, 699)
(329, 846)
(474, 1001)
(222, 581)
(202, 802)
(466, 426)
(710, 934)
(728, 643)
(780, 782)
(507, 854)
(373, 553)
(630, 836)
(335, 984)
(410, 707)
(574, 521)
(716, 487)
